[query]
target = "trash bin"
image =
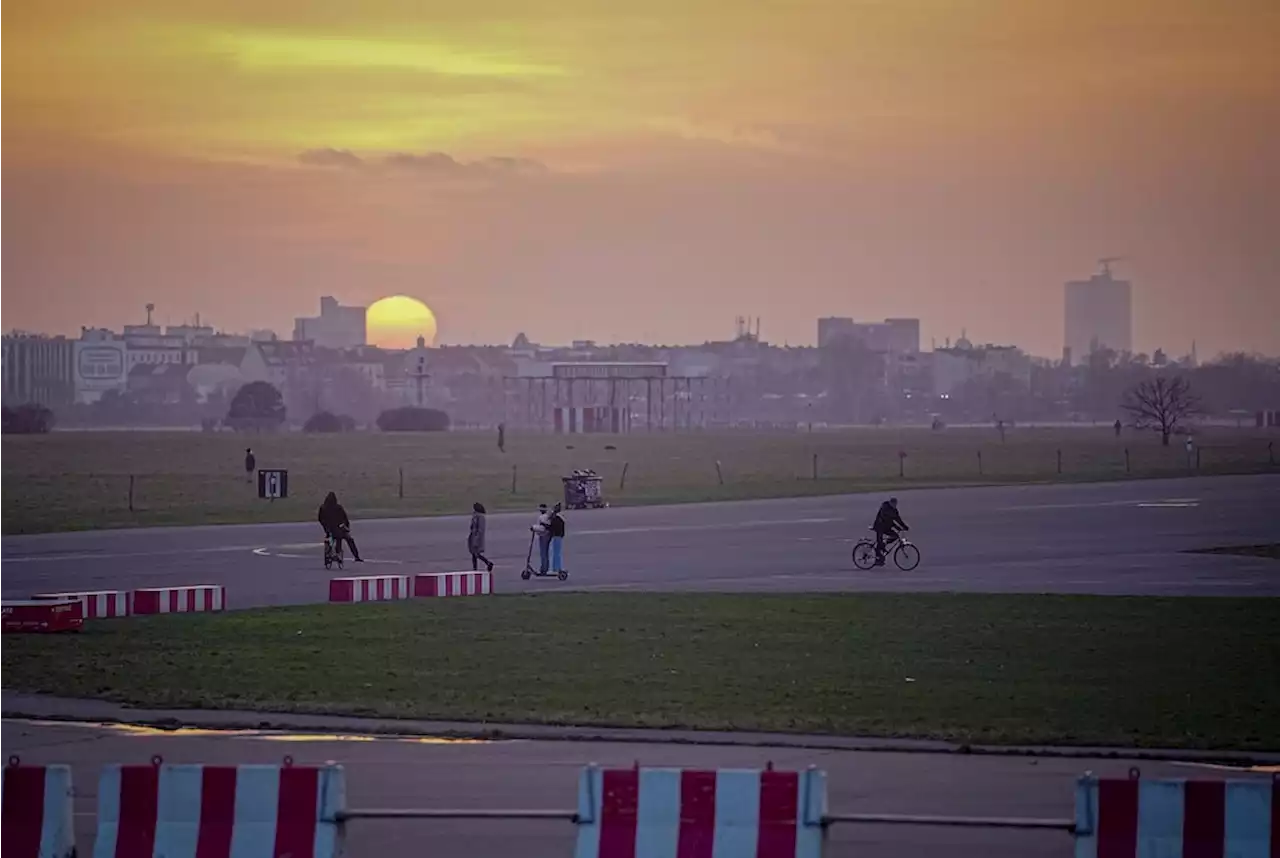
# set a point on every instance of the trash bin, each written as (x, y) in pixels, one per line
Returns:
(582, 490)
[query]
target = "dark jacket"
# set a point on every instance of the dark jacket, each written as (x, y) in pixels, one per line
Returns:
(888, 519)
(557, 525)
(332, 516)
(475, 538)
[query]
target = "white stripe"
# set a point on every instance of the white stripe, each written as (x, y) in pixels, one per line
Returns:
(590, 788)
(331, 799)
(737, 813)
(658, 814)
(1086, 818)
(1248, 819)
(1160, 817)
(104, 841)
(57, 828)
(812, 806)
(257, 803)
(178, 811)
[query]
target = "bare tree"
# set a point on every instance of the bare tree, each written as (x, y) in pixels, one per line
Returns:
(1161, 404)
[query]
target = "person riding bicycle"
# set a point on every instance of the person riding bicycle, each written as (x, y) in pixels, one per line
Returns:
(333, 518)
(887, 523)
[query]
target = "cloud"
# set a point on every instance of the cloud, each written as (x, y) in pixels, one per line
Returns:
(430, 163)
(330, 158)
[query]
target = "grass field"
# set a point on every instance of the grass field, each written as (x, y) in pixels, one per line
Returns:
(1196, 673)
(76, 480)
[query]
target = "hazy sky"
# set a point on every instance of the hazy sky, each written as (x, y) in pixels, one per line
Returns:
(645, 170)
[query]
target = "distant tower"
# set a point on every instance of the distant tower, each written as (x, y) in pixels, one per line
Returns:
(150, 309)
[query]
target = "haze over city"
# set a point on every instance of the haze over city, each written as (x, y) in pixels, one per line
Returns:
(645, 172)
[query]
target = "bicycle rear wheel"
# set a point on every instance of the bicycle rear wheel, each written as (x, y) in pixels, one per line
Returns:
(864, 555)
(907, 556)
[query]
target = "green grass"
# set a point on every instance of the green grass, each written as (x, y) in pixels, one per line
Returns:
(1196, 673)
(76, 480)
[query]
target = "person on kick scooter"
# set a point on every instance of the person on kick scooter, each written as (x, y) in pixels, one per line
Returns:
(542, 530)
(556, 528)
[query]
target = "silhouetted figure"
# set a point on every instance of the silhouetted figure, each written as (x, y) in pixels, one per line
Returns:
(1117, 427)
(502, 437)
(337, 526)
(250, 463)
(475, 538)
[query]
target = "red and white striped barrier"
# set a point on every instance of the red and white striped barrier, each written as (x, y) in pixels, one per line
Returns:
(371, 588)
(674, 813)
(1119, 818)
(185, 811)
(180, 600)
(97, 604)
(37, 813)
(453, 584)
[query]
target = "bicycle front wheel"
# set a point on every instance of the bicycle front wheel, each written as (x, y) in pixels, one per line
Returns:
(864, 555)
(907, 557)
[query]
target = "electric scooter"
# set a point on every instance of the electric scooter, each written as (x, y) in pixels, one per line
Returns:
(530, 572)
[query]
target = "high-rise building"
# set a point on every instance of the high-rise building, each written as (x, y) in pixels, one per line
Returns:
(337, 327)
(1098, 315)
(897, 336)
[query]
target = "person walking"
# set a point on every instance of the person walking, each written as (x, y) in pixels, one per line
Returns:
(250, 462)
(555, 527)
(475, 538)
(542, 529)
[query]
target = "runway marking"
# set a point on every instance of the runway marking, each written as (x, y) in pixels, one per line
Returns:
(1104, 504)
(264, 552)
(735, 525)
(45, 558)
(141, 731)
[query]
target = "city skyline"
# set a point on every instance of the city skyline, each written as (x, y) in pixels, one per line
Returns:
(581, 171)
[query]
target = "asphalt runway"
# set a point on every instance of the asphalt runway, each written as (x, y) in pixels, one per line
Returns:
(437, 773)
(1108, 538)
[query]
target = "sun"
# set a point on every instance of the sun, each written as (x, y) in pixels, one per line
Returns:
(397, 322)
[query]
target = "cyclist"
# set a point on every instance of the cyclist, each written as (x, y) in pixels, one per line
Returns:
(333, 518)
(887, 523)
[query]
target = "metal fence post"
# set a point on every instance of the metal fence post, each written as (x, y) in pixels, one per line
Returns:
(131, 493)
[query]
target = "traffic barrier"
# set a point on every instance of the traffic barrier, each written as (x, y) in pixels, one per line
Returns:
(665, 813)
(453, 584)
(97, 604)
(180, 600)
(185, 811)
(37, 814)
(371, 588)
(41, 615)
(1119, 818)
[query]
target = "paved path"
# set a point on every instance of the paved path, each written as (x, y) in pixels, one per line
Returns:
(1094, 538)
(425, 772)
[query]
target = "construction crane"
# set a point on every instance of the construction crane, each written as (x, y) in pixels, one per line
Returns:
(1106, 261)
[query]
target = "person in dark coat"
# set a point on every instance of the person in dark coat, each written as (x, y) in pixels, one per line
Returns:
(887, 523)
(333, 518)
(475, 538)
(249, 463)
(556, 529)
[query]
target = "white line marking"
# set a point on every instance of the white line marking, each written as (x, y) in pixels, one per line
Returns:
(735, 525)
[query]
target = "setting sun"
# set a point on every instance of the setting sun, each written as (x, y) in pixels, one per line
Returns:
(397, 322)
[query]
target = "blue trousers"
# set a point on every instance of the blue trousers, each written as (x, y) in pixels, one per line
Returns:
(557, 553)
(544, 548)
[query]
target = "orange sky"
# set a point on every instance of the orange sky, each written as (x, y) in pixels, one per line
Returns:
(645, 171)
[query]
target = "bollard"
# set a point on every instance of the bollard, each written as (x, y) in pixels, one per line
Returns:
(402, 484)
(815, 466)
(1126, 460)
(622, 483)
(1271, 452)
(131, 493)
(979, 463)
(513, 479)
(1197, 458)
(902, 468)
(719, 473)
(1059, 462)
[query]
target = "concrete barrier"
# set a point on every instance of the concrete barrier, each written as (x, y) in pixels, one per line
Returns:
(185, 811)
(1133, 818)
(97, 604)
(37, 814)
(671, 813)
(370, 588)
(199, 598)
(434, 584)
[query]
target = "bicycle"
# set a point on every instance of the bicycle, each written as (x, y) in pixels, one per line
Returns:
(906, 556)
(332, 551)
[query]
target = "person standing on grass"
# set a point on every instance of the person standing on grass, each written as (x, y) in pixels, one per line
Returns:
(249, 463)
(475, 539)
(555, 527)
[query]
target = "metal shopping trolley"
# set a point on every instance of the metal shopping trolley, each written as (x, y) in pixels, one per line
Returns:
(582, 490)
